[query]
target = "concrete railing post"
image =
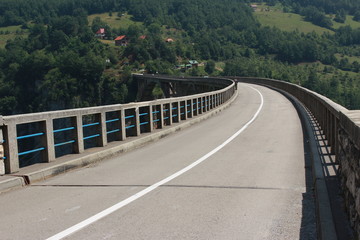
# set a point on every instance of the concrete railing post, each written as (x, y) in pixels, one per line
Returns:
(122, 125)
(161, 114)
(137, 122)
(2, 153)
(11, 148)
(151, 118)
(101, 118)
(48, 140)
(77, 122)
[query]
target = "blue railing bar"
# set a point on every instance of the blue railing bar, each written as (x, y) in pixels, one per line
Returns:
(143, 123)
(143, 114)
(174, 108)
(194, 110)
(31, 151)
(64, 143)
(156, 112)
(188, 111)
(166, 118)
(4, 158)
(130, 116)
(113, 131)
(188, 105)
(131, 126)
(91, 124)
(199, 108)
(194, 103)
(165, 110)
(30, 135)
(157, 120)
(63, 129)
(113, 120)
(182, 113)
(92, 136)
(182, 106)
(175, 115)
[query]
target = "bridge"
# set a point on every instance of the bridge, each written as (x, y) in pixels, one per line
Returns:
(248, 172)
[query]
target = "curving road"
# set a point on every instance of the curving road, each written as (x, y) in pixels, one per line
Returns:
(238, 175)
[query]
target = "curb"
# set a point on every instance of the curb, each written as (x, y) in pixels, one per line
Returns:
(23, 179)
(11, 182)
(324, 219)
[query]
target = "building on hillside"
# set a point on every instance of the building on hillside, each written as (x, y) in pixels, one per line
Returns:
(194, 63)
(169, 40)
(101, 33)
(254, 7)
(121, 40)
(142, 37)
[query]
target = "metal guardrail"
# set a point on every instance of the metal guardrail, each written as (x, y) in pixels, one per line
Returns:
(103, 123)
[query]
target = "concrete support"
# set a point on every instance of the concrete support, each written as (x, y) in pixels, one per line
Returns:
(78, 134)
(151, 118)
(137, 121)
(48, 140)
(122, 125)
(101, 118)
(11, 148)
(2, 153)
(161, 114)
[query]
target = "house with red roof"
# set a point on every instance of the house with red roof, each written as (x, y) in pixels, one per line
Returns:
(121, 40)
(100, 33)
(142, 37)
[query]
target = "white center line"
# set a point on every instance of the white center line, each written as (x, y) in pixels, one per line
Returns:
(134, 197)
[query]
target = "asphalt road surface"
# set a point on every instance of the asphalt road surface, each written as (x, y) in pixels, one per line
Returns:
(238, 175)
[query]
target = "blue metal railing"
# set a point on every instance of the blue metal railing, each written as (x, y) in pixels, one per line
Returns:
(92, 136)
(90, 124)
(31, 151)
(30, 135)
(63, 129)
(64, 143)
(113, 131)
(113, 120)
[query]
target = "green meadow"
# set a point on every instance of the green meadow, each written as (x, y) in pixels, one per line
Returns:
(11, 32)
(114, 21)
(276, 17)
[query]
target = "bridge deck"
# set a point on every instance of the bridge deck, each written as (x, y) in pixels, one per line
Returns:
(254, 187)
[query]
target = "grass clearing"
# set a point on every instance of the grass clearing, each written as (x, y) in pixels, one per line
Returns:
(274, 16)
(11, 32)
(114, 21)
(350, 58)
(349, 22)
(287, 22)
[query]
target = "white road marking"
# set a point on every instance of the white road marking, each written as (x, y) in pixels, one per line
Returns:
(134, 197)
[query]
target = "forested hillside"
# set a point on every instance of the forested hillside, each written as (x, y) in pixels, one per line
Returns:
(61, 63)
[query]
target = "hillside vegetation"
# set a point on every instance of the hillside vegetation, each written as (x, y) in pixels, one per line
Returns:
(59, 62)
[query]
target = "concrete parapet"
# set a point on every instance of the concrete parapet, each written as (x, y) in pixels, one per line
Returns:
(349, 159)
(2, 155)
